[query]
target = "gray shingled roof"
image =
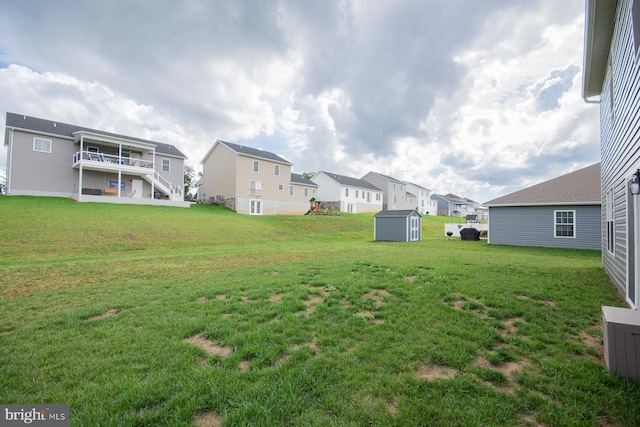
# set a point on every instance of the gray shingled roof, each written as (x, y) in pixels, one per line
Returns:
(21, 121)
(254, 152)
(390, 178)
(299, 179)
(579, 187)
(352, 182)
(398, 213)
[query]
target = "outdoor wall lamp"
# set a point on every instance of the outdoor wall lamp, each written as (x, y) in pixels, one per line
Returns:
(635, 183)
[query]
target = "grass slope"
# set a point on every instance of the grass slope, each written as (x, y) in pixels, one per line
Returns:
(125, 313)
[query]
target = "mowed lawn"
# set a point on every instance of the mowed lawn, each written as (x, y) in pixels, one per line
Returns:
(153, 316)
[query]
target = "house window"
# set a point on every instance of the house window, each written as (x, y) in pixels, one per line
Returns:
(305, 192)
(276, 170)
(165, 165)
(564, 223)
(356, 194)
(377, 197)
(291, 190)
(363, 194)
(256, 166)
(42, 145)
(346, 192)
(281, 187)
(609, 205)
(255, 187)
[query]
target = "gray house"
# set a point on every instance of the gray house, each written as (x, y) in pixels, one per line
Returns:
(395, 194)
(48, 158)
(611, 78)
(562, 213)
(398, 226)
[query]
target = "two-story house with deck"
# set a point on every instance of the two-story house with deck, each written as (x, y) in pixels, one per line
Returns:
(50, 158)
(424, 204)
(348, 194)
(253, 181)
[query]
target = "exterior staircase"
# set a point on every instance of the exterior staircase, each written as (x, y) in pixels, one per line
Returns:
(175, 192)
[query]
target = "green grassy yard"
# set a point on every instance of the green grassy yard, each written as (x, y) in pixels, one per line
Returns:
(151, 316)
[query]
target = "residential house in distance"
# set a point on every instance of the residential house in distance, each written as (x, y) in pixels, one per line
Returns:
(348, 194)
(611, 77)
(395, 193)
(451, 205)
(563, 212)
(49, 158)
(424, 204)
(252, 181)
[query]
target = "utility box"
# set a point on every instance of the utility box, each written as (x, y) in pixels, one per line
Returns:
(621, 330)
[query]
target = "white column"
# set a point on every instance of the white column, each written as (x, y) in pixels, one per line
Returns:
(636, 249)
(80, 169)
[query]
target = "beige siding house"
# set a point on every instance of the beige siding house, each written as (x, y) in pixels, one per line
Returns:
(252, 181)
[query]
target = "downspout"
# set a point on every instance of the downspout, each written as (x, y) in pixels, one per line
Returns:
(80, 170)
(153, 179)
(10, 157)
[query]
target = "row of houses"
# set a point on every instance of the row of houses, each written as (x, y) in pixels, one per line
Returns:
(253, 181)
(49, 158)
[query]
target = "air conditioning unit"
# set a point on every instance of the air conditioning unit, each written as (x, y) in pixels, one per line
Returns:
(621, 329)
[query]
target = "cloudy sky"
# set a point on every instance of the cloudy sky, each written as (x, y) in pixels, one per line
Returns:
(476, 98)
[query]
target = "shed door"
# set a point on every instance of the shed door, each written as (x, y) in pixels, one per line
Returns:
(414, 229)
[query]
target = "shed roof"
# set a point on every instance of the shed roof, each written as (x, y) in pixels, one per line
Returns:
(20, 121)
(352, 182)
(397, 214)
(578, 188)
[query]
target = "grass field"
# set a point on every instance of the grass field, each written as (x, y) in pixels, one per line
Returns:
(153, 316)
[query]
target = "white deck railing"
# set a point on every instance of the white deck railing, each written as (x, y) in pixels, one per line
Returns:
(113, 159)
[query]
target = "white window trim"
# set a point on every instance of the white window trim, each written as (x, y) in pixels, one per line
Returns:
(255, 206)
(256, 166)
(575, 231)
(168, 165)
(291, 190)
(610, 216)
(43, 140)
(280, 187)
(276, 170)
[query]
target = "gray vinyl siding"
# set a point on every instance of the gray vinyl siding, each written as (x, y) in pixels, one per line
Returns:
(392, 229)
(619, 134)
(535, 226)
(37, 173)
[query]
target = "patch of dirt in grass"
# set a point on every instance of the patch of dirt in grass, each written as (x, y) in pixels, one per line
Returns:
(410, 279)
(548, 302)
(209, 346)
(201, 299)
(225, 315)
(377, 295)
(508, 369)
(509, 326)
(313, 345)
(435, 372)
(311, 303)
(221, 297)
(530, 420)
(320, 289)
(244, 366)
(345, 302)
(207, 419)
(282, 360)
(594, 343)
(275, 273)
(276, 297)
(244, 298)
(108, 313)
